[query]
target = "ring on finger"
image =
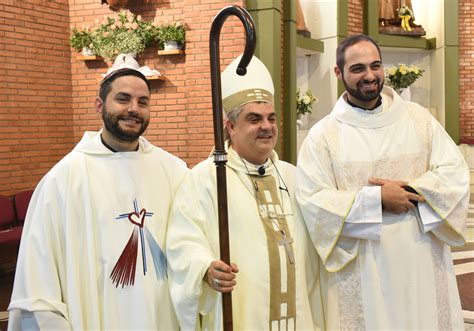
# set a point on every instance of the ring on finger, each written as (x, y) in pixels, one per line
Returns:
(216, 282)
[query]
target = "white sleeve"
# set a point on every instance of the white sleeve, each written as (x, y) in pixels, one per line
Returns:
(364, 220)
(191, 248)
(37, 320)
(445, 188)
(429, 219)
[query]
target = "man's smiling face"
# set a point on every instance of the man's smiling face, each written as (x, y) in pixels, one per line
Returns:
(255, 132)
(126, 111)
(363, 74)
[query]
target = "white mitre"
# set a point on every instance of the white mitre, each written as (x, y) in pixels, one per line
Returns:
(255, 85)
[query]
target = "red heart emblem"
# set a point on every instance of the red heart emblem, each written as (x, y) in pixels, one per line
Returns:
(135, 217)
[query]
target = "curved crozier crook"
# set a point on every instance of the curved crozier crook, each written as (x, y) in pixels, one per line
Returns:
(250, 43)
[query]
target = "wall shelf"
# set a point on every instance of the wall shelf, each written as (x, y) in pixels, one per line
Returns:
(307, 46)
(156, 77)
(89, 58)
(171, 52)
(423, 43)
(149, 78)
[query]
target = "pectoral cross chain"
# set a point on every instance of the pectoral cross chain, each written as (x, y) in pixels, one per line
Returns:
(287, 241)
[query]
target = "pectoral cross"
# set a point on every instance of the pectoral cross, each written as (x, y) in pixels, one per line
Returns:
(287, 241)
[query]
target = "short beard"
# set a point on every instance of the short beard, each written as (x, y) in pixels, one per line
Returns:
(112, 126)
(359, 95)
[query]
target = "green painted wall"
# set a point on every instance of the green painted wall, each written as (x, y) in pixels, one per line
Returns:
(289, 81)
(451, 55)
(451, 68)
(267, 15)
(342, 32)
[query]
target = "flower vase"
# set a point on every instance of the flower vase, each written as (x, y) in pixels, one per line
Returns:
(299, 122)
(171, 45)
(405, 94)
(86, 51)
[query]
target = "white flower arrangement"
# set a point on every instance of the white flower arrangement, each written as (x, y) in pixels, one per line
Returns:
(304, 102)
(401, 76)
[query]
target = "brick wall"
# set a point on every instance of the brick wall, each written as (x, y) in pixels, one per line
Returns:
(466, 71)
(355, 17)
(47, 93)
(181, 108)
(35, 83)
(199, 15)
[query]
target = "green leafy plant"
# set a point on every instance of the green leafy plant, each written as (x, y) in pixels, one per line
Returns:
(401, 76)
(124, 33)
(81, 38)
(171, 32)
(304, 102)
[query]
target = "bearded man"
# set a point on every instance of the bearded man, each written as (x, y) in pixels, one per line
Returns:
(92, 250)
(274, 275)
(384, 192)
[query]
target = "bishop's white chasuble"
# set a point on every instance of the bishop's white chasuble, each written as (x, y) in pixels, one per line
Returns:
(277, 283)
(403, 279)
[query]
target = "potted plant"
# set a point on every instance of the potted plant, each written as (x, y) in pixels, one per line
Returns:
(171, 36)
(81, 40)
(125, 33)
(401, 76)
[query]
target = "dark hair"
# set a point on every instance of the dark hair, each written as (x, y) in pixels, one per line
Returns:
(232, 117)
(105, 84)
(350, 41)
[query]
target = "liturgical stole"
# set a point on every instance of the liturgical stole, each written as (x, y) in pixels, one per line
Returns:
(280, 252)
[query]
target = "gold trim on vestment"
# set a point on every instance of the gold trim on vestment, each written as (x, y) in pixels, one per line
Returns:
(441, 258)
(270, 201)
(349, 291)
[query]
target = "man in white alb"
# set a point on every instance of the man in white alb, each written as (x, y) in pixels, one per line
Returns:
(384, 192)
(92, 251)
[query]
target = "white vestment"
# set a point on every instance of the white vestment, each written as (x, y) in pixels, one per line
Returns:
(82, 216)
(193, 243)
(384, 271)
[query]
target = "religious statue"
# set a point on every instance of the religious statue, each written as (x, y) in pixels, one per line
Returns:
(301, 27)
(396, 17)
